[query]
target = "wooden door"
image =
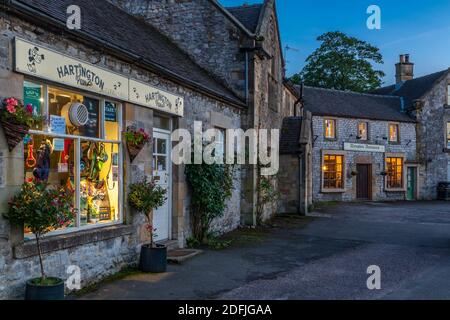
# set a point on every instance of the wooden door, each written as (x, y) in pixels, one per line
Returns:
(363, 182)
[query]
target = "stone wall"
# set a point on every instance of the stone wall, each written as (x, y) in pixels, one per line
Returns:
(347, 132)
(118, 247)
(433, 115)
(201, 30)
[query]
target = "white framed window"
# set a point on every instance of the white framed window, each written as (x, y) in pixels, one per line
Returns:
(83, 134)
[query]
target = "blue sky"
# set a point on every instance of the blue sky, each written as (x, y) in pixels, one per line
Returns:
(418, 27)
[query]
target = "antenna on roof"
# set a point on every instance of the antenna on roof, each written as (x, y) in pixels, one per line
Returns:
(289, 48)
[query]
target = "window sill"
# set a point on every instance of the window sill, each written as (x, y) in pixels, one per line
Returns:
(333, 191)
(395, 190)
(61, 242)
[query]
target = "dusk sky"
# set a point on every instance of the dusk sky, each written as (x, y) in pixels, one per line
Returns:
(420, 28)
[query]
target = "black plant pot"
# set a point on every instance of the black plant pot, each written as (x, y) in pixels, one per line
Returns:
(39, 292)
(153, 259)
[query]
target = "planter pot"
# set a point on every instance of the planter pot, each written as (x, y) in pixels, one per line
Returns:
(39, 292)
(153, 259)
(134, 150)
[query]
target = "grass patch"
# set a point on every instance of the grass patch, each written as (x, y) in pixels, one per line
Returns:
(125, 272)
(46, 282)
(323, 205)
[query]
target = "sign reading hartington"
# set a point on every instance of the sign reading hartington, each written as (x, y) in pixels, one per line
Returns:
(47, 64)
(364, 147)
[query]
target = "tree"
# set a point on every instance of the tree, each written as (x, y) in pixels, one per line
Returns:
(343, 63)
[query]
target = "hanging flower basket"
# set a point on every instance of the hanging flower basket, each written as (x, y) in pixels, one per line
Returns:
(16, 120)
(14, 133)
(136, 140)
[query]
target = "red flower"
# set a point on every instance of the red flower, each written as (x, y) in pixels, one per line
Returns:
(11, 108)
(29, 108)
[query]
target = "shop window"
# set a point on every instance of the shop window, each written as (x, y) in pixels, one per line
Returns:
(333, 172)
(448, 135)
(78, 148)
(394, 173)
(77, 114)
(394, 133)
(33, 94)
(330, 129)
(363, 131)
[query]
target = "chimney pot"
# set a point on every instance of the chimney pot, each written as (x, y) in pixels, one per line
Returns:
(404, 69)
(402, 58)
(407, 58)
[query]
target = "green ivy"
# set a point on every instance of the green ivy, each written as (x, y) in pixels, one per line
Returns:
(211, 187)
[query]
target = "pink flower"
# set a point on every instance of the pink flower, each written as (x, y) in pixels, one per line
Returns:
(12, 102)
(29, 108)
(11, 108)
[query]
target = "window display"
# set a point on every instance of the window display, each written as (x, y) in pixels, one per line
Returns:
(79, 148)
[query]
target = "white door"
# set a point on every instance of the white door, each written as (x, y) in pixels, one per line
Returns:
(162, 177)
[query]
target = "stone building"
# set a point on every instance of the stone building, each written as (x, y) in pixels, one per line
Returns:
(129, 73)
(363, 147)
(240, 46)
(427, 99)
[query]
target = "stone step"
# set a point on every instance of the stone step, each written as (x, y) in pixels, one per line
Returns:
(181, 255)
(170, 244)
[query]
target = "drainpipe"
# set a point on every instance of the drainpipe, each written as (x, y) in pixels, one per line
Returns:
(246, 78)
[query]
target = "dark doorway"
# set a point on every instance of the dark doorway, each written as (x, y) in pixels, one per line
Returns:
(363, 182)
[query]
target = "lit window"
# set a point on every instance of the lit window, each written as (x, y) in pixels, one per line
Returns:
(393, 133)
(394, 173)
(330, 129)
(77, 126)
(448, 135)
(363, 131)
(448, 95)
(333, 177)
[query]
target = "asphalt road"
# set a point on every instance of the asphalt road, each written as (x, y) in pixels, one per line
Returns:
(321, 257)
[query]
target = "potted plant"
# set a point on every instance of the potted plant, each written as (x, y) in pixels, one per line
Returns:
(16, 120)
(144, 197)
(136, 140)
(41, 209)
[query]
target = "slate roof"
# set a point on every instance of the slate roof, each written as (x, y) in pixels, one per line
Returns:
(412, 89)
(248, 15)
(345, 104)
(103, 20)
(290, 135)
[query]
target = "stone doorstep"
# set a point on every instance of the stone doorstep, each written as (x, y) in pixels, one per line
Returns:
(179, 256)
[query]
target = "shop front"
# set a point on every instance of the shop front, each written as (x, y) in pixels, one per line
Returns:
(78, 144)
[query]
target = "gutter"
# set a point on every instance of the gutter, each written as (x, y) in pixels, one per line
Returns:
(33, 15)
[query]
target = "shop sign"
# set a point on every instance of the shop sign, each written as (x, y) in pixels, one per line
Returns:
(364, 147)
(47, 64)
(154, 98)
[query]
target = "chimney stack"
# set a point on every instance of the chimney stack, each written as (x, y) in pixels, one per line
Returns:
(404, 69)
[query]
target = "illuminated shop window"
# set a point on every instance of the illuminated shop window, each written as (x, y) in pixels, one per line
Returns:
(363, 132)
(394, 173)
(393, 133)
(78, 147)
(330, 129)
(333, 167)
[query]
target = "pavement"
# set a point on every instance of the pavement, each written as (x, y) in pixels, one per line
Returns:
(324, 256)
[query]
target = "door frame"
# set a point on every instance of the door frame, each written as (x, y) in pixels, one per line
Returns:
(416, 191)
(369, 181)
(169, 191)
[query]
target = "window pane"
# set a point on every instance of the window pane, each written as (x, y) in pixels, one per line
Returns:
(393, 133)
(333, 172)
(73, 113)
(33, 94)
(111, 121)
(362, 131)
(394, 172)
(161, 123)
(50, 160)
(330, 129)
(448, 135)
(99, 184)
